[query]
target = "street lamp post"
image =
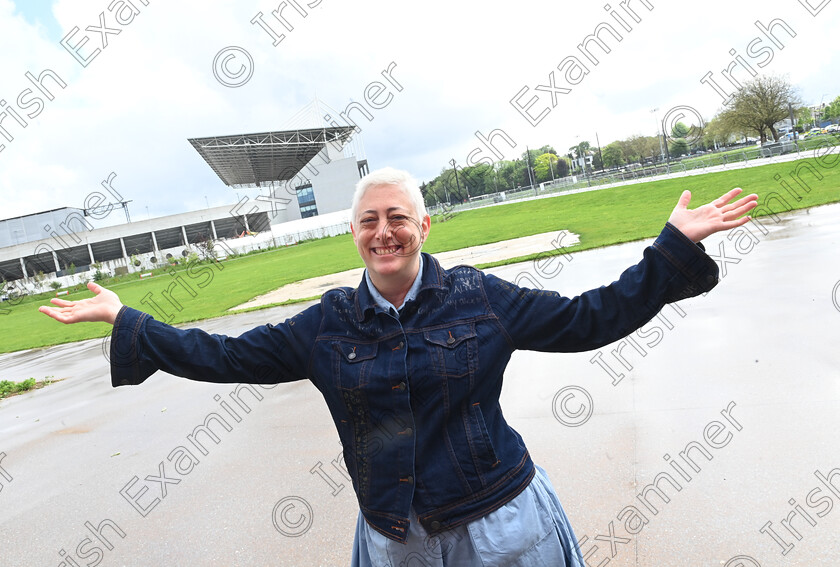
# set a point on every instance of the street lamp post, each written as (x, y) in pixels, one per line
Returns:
(455, 171)
(528, 166)
(822, 109)
(658, 137)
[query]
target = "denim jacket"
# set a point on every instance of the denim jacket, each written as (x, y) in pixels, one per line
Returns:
(415, 398)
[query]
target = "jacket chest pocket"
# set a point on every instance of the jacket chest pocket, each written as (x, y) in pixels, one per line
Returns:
(353, 363)
(453, 350)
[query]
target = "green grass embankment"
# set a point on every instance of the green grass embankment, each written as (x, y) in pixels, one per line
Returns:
(601, 218)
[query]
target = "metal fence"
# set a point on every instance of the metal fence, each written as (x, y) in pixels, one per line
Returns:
(285, 239)
(745, 156)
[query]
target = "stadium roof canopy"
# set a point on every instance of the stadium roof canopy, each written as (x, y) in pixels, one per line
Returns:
(253, 159)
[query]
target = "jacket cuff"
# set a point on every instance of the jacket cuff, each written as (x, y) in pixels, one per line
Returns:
(126, 352)
(697, 272)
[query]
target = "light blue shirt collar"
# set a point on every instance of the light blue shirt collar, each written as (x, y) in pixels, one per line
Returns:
(387, 305)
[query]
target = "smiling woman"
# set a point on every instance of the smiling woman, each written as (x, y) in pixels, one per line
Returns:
(389, 226)
(420, 352)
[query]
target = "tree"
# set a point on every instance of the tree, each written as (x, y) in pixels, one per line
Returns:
(424, 190)
(759, 104)
(507, 175)
(678, 147)
(580, 150)
(471, 181)
(832, 109)
(716, 133)
(596, 161)
(545, 167)
(803, 118)
(476, 179)
(680, 130)
(637, 148)
(564, 167)
(613, 155)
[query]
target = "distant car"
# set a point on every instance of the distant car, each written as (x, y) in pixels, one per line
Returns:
(832, 128)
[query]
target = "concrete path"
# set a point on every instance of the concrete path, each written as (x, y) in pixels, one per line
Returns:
(733, 397)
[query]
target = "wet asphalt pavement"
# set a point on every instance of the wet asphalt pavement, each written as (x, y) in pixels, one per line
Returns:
(734, 396)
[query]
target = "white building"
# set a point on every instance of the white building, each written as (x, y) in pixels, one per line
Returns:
(305, 173)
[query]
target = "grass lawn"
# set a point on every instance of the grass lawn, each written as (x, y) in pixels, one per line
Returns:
(601, 218)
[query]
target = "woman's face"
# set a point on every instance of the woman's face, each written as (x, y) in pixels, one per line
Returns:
(387, 232)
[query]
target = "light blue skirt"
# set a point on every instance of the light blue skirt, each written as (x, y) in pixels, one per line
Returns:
(531, 530)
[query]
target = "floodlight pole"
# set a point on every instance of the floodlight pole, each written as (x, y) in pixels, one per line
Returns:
(455, 171)
(661, 151)
(793, 127)
(528, 165)
(600, 155)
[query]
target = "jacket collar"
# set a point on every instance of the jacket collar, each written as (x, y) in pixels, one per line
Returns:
(432, 278)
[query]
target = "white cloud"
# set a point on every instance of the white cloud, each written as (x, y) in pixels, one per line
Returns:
(132, 108)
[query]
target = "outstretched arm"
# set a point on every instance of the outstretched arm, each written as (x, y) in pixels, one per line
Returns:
(140, 345)
(102, 307)
(674, 267)
(713, 217)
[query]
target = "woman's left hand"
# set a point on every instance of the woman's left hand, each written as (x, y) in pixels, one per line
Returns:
(718, 215)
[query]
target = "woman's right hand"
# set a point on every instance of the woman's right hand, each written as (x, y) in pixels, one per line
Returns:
(103, 307)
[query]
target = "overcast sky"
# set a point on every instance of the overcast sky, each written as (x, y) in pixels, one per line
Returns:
(134, 103)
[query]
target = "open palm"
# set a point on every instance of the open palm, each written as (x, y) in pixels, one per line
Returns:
(718, 215)
(102, 307)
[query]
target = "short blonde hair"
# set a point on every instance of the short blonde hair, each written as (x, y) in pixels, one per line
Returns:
(389, 176)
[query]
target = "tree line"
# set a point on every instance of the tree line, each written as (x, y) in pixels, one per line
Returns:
(753, 111)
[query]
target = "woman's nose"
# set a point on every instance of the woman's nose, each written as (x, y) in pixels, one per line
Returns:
(385, 231)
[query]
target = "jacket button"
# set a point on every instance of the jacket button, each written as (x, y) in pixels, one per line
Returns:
(410, 479)
(402, 344)
(435, 525)
(450, 340)
(401, 386)
(408, 431)
(351, 356)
